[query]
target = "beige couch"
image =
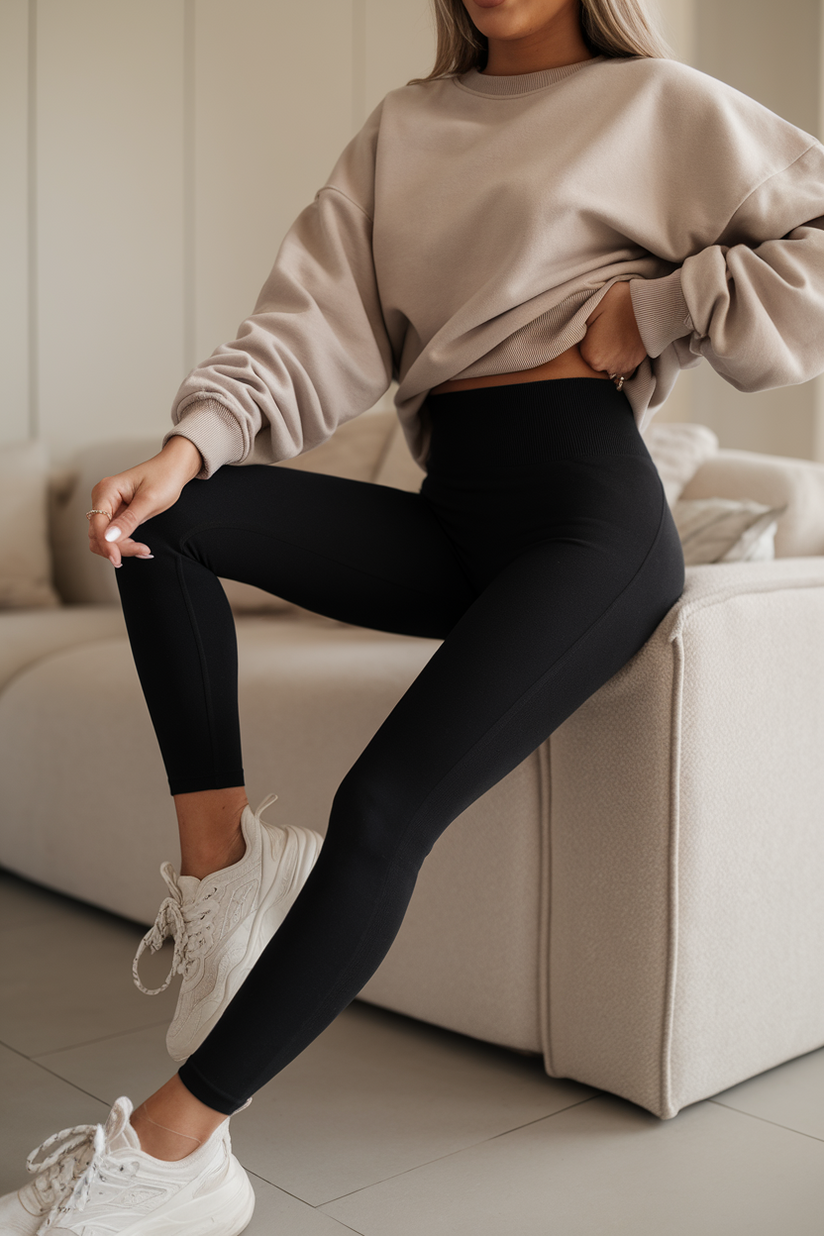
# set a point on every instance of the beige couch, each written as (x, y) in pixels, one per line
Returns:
(640, 901)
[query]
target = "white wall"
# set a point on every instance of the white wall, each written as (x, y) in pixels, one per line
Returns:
(14, 197)
(108, 215)
(154, 154)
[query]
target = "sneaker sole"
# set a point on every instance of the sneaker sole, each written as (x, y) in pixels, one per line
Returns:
(214, 1216)
(269, 915)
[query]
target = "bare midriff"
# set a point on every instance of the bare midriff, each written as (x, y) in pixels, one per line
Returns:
(569, 364)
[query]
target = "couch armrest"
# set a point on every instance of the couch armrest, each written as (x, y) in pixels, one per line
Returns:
(797, 484)
(685, 948)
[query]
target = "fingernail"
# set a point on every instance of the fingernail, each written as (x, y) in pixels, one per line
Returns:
(145, 557)
(116, 565)
(112, 534)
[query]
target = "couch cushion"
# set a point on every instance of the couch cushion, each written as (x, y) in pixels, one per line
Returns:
(25, 560)
(82, 577)
(26, 638)
(726, 529)
(797, 484)
(679, 449)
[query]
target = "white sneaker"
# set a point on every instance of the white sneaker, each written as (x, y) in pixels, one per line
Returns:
(96, 1181)
(222, 924)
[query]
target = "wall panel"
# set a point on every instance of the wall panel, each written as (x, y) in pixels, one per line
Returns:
(110, 216)
(272, 112)
(399, 44)
(14, 237)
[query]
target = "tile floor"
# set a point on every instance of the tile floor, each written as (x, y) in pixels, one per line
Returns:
(387, 1127)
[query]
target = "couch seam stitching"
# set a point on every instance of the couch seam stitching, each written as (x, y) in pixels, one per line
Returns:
(665, 1083)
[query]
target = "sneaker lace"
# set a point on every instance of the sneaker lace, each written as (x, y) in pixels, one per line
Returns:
(64, 1178)
(190, 924)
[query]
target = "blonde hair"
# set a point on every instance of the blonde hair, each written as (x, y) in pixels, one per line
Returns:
(610, 28)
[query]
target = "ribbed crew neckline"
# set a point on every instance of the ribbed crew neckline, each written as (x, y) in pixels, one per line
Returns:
(520, 83)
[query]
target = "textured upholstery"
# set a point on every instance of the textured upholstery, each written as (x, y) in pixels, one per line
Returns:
(686, 937)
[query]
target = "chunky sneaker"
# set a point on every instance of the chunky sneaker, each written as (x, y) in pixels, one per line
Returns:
(94, 1180)
(222, 924)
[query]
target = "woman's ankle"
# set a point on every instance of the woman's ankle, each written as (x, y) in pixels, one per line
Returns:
(200, 861)
(172, 1123)
(158, 1141)
(210, 833)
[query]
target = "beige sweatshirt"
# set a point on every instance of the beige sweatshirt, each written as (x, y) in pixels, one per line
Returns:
(473, 225)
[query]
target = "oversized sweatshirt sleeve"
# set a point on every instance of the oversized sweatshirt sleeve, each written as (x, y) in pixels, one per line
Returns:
(315, 351)
(752, 303)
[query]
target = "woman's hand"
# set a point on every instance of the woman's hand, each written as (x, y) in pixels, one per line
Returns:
(613, 342)
(136, 495)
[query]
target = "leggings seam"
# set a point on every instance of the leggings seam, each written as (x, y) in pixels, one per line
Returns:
(202, 662)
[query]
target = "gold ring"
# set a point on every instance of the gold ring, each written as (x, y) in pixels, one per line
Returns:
(90, 513)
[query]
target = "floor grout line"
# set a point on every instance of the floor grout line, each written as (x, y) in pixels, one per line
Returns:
(560, 1111)
(66, 1081)
(764, 1120)
(105, 1038)
(16, 1050)
(296, 1198)
(451, 1154)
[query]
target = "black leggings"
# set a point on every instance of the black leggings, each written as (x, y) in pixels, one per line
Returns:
(540, 550)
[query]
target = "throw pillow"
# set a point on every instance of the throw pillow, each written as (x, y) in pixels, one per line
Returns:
(721, 530)
(25, 555)
(678, 450)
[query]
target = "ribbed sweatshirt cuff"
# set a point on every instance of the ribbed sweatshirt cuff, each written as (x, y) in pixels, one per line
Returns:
(660, 311)
(213, 430)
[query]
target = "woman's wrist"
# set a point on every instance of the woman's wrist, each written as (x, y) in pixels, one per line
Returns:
(185, 455)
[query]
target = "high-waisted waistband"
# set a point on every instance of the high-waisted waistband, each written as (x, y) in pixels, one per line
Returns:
(529, 424)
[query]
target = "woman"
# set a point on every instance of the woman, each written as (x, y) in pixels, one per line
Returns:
(533, 240)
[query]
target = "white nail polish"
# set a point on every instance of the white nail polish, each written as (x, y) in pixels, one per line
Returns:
(111, 534)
